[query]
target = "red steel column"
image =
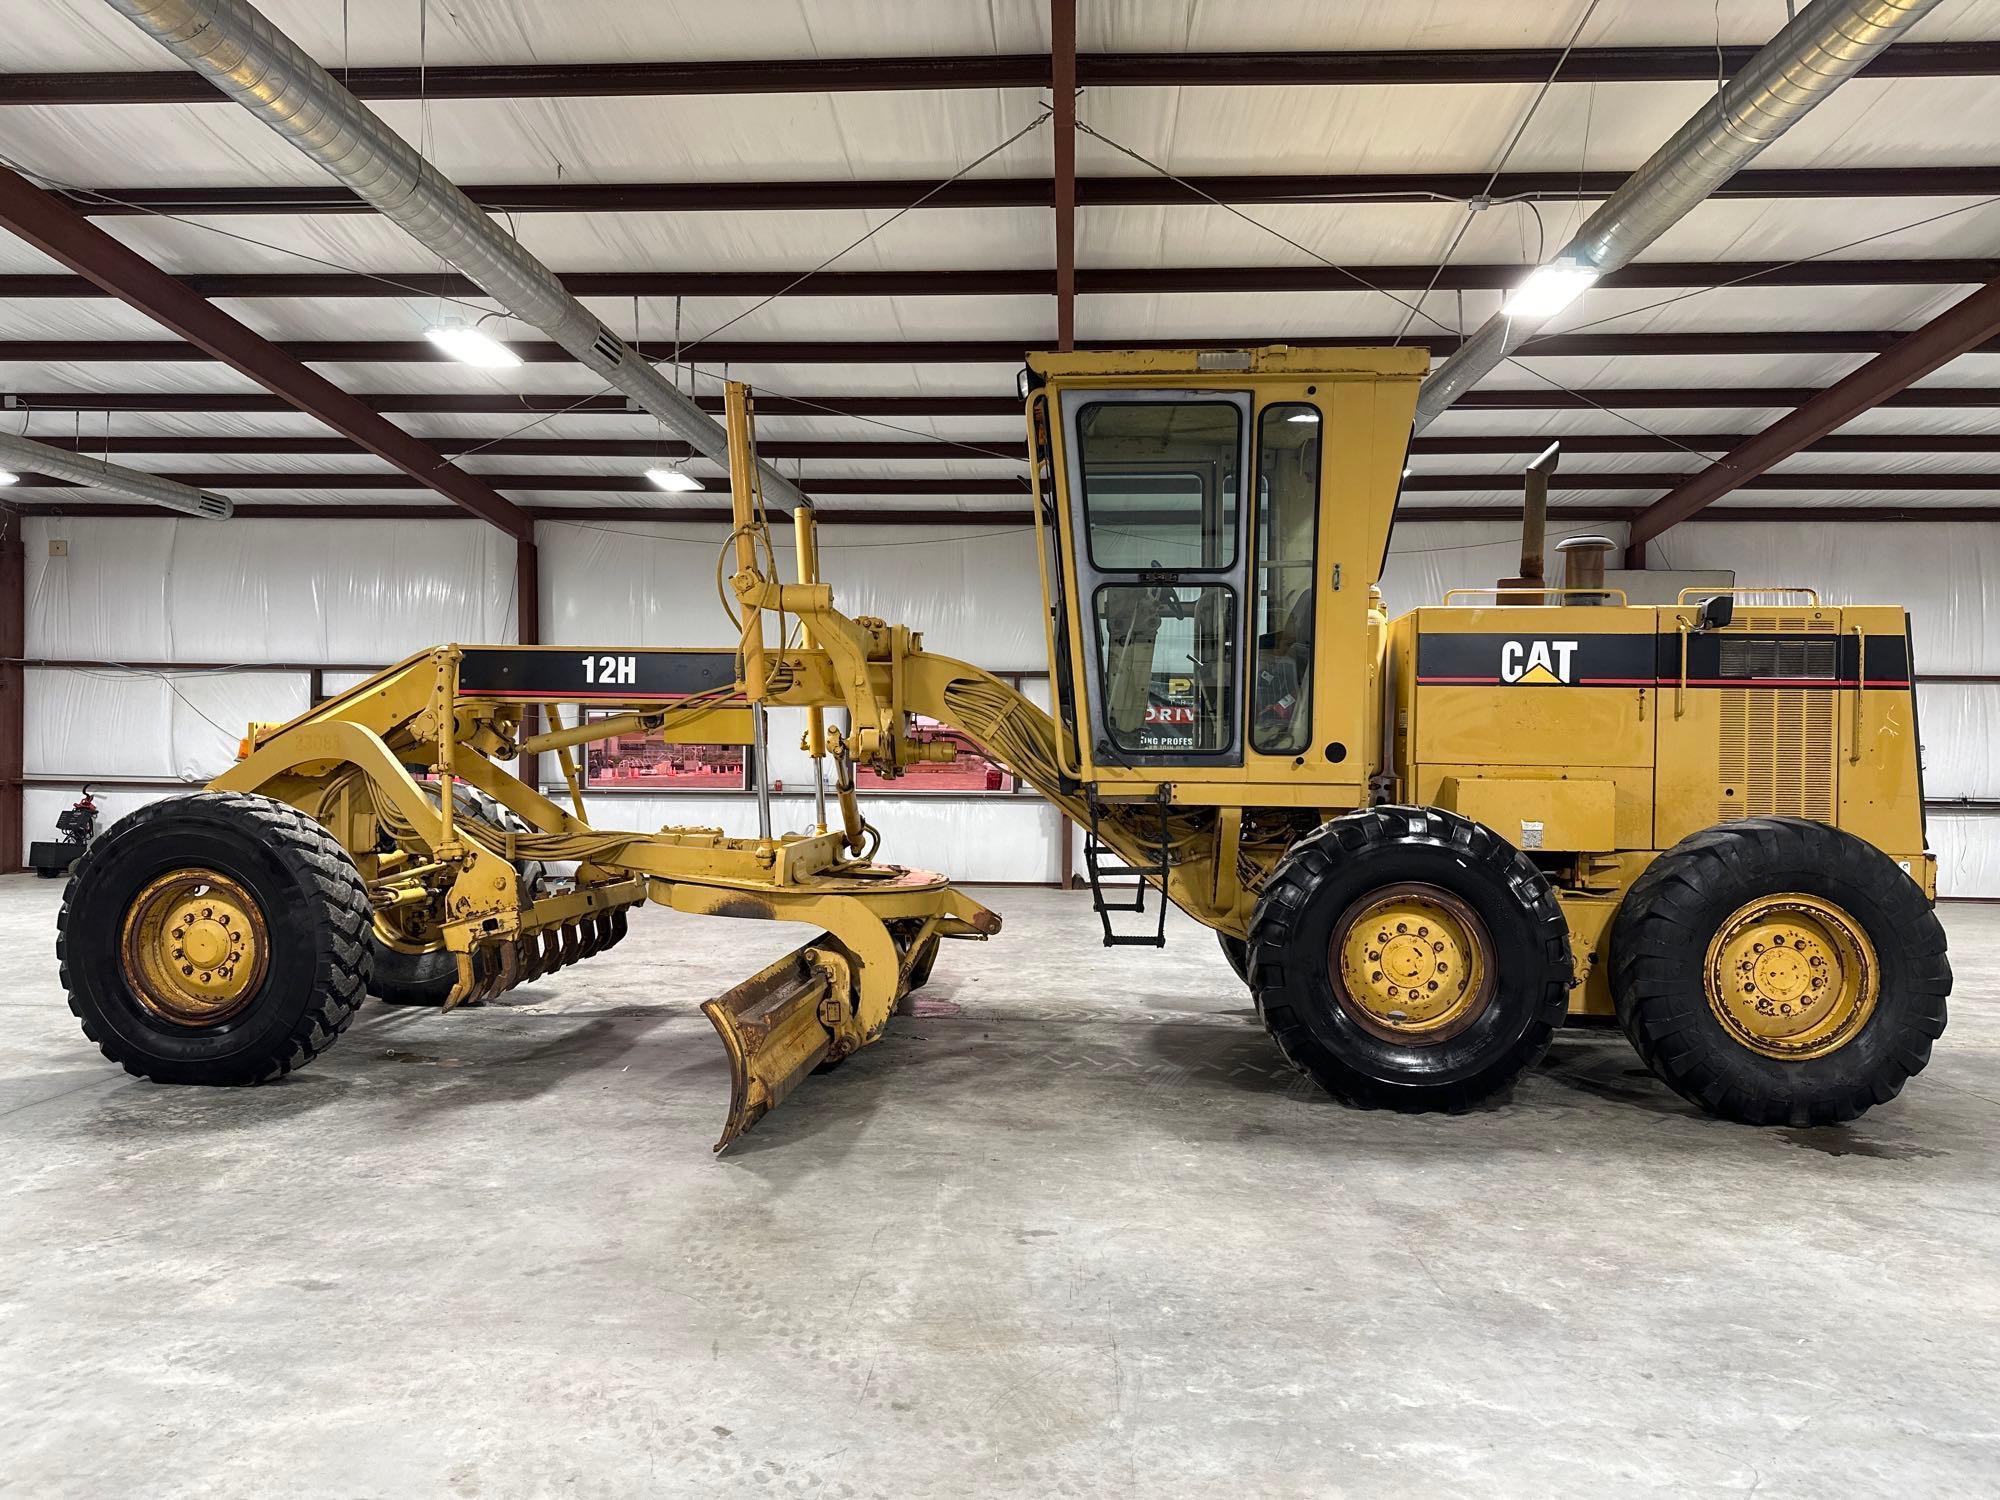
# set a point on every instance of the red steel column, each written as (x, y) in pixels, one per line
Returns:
(13, 717)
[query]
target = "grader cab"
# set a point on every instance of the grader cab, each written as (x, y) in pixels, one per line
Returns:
(1424, 843)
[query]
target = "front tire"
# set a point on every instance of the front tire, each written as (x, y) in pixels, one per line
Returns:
(1779, 971)
(1409, 958)
(218, 938)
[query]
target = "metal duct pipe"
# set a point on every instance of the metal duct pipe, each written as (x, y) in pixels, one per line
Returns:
(116, 479)
(247, 58)
(1819, 49)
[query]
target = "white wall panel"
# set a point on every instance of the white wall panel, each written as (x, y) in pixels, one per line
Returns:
(1967, 845)
(97, 724)
(1960, 723)
(251, 591)
(975, 592)
(1012, 840)
(1947, 575)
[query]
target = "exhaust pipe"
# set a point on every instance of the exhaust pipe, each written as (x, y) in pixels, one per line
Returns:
(113, 479)
(246, 57)
(1819, 49)
(1528, 588)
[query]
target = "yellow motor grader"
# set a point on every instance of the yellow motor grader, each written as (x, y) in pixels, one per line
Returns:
(1424, 847)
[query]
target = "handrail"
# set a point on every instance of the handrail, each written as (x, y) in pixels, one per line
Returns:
(1751, 588)
(1860, 691)
(1596, 593)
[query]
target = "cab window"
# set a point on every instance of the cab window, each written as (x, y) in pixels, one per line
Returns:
(1288, 458)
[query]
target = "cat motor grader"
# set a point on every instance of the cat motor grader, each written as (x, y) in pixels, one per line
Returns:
(1425, 843)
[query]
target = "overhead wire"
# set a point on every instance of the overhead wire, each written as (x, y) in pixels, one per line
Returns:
(1484, 200)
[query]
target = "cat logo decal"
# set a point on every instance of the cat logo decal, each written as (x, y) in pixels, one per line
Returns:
(1532, 663)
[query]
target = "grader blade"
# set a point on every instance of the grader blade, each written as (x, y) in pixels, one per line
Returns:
(777, 1026)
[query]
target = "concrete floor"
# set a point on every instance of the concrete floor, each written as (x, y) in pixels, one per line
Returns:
(1072, 1230)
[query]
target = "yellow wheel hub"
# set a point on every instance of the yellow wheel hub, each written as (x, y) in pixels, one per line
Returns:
(1792, 976)
(1411, 963)
(194, 947)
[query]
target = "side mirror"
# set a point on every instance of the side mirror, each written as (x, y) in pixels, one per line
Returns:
(1717, 611)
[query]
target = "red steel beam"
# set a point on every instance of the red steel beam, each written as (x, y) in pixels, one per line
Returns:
(56, 230)
(1062, 88)
(957, 351)
(1531, 398)
(1961, 328)
(629, 515)
(1003, 282)
(924, 449)
(823, 75)
(1039, 192)
(228, 480)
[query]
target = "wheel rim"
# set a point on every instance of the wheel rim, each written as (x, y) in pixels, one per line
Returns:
(1792, 977)
(1411, 963)
(194, 947)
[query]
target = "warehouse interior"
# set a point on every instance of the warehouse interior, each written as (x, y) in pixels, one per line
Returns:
(1075, 1222)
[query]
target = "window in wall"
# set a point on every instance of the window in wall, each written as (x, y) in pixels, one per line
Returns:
(1160, 495)
(647, 763)
(1288, 459)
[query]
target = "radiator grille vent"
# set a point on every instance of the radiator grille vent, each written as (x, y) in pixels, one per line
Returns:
(1789, 623)
(1777, 753)
(1796, 657)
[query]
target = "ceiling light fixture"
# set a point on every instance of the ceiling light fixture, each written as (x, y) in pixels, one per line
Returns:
(471, 345)
(1303, 416)
(8, 476)
(1549, 289)
(675, 481)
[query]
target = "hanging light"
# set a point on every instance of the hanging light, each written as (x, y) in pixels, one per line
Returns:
(470, 344)
(1549, 289)
(675, 481)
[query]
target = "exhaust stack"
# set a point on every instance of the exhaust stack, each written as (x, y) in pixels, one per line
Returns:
(1528, 588)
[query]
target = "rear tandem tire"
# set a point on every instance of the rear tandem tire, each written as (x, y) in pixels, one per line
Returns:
(1237, 951)
(296, 898)
(1506, 958)
(402, 978)
(1729, 1054)
(426, 976)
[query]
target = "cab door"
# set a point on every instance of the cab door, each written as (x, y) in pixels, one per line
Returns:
(1159, 522)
